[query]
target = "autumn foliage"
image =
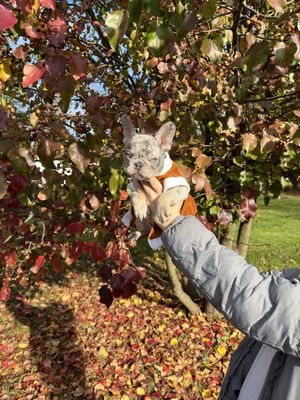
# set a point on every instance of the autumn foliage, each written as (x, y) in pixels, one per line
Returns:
(227, 73)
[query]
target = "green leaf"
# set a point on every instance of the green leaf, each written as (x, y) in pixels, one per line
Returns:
(135, 8)
(208, 8)
(249, 141)
(285, 55)
(185, 24)
(267, 144)
(238, 160)
(114, 184)
(158, 39)
(24, 199)
(153, 7)
(276, 189)
(79, 157)
(286, 183)
(251, 155)
(211, 48)
(214, 210)
(257, 54)
(116, 25)
(74, 196)
(18, 163)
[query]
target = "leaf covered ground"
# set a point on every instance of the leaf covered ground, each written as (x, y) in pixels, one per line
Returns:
(63, 344)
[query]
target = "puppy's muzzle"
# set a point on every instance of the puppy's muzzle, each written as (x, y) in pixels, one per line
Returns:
(138, 165)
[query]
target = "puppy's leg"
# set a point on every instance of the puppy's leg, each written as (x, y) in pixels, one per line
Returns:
(139, 204)
(168, 199)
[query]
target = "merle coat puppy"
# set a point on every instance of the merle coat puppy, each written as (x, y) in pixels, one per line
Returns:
(146, 156)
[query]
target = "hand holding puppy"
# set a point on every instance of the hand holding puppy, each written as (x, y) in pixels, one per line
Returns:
(152, 190)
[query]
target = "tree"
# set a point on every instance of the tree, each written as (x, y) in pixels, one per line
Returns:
(227, 73)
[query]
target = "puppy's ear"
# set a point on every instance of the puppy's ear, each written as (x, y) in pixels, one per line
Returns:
(165, 135)
(128, 128)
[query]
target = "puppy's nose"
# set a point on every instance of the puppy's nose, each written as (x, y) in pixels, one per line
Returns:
(138, 165)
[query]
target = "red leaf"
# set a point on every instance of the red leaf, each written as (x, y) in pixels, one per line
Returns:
(124, 257)
(129, 290)
(19, 183)
(208, 225)
(55, 66)
(31, 29)
(7, 18)
(123, 195)
(56, 264)
(20, 53)
(48, 4)
(76, 228)
(79, 66)
(142, 272)
(106, 272)
(133, 275)
(250, 193)
(38, 265)
(130, 275)
(76, 249)
(98, 254)
(32, 73)
(106, 296)
(163, 68)
(248, 209)
(224, 218)
(167, 105)
(117, 285)
(58, 25)
(199, 181)
(277, 4)
(23, 5)
(10, 259)
(57, 38)
(5, 291)
(112, 251)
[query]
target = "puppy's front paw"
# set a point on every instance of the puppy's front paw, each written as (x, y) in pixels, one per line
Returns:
(139, 206)
(163, 211)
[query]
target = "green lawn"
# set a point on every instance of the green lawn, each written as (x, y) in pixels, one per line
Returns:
(275, 235)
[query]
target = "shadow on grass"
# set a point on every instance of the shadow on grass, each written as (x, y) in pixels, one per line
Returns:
(54, 348)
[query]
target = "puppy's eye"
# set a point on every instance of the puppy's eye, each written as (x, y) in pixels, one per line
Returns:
(154, 160)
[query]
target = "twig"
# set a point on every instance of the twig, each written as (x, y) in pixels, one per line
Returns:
(291, 94)
(246, 244)
(257, 12)
(43, 232)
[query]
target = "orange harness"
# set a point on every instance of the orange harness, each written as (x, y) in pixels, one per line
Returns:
(188, 206)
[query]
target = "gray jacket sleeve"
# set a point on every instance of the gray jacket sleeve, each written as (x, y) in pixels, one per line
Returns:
(263, 306)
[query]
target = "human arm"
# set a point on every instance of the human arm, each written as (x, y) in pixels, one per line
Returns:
(265, 307)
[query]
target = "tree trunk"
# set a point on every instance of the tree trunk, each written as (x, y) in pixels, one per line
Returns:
(243, 237)
(177, 287)
(228, 241)
(211, 311)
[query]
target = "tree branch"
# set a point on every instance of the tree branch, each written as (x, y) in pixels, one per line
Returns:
(291, 94)
(235, 25)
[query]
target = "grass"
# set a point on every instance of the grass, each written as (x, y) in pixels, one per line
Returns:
(275, 235)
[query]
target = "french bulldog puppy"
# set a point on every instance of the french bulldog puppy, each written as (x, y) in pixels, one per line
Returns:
(145, 157)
